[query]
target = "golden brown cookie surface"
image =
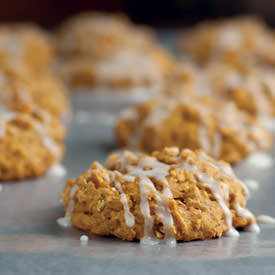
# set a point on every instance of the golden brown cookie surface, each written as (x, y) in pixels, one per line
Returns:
(102, 51)
(122, 70)
(231, 39)
(194, 122)
(251, 88)
(44, 90)
(24, 49)
(170, 195)
(97, 34)
(30, 141)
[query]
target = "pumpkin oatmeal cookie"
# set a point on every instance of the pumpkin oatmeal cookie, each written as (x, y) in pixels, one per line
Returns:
(30, 141)
(230, 40)
(251, 88)
(100, 52)
(122, 70)
(195, 122)
(24, 49)
(45, 90)
(164, 197)
(96, 34)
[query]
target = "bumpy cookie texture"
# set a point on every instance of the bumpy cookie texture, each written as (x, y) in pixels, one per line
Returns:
(122, 70)
(30, 141)
(43, 90)
(97, 34)
(194, 122)
(99, 51)
(230, 39)
(169, 195)
(251, 88)
(24, 49)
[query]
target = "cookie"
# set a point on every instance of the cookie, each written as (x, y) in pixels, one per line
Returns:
(195, 122)
(230, 39)
(121, 71)
(97, 34)
(30, 141)
(167, 196)
(251, 88)
(44, 90)
(24, 49)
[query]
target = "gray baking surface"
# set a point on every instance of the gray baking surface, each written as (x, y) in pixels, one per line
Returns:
(31, 242)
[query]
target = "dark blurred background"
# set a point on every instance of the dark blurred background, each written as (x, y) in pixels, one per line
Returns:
(169, 13)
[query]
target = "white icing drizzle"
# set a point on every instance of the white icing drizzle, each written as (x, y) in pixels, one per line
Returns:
(144, 185)
(225, 116)
(225, 169)
(139, 67)
(58, 170)
(158, 171)
(149, 171)
(255, 87)
(243, 212)
(64, 222)
(71, 202)
(47, 141)
(214, 186)
(264, 219)
(254, 228)
(129, 217)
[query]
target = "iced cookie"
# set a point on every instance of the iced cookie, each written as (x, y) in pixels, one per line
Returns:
(122, 71)
(24, 49)
(170, 195)
(194, 122)
(100, 35)
(30, 141)
(43, 90)
(252, 89)
(230, 39)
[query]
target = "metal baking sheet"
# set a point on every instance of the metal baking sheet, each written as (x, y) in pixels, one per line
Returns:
(31, 242)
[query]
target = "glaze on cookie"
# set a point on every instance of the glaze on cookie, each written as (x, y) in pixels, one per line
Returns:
(30, 141)
(194, 122)
(170, 195)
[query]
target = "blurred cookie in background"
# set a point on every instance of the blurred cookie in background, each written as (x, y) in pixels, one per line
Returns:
(195, 122)
(230, 39)
(25, 49)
